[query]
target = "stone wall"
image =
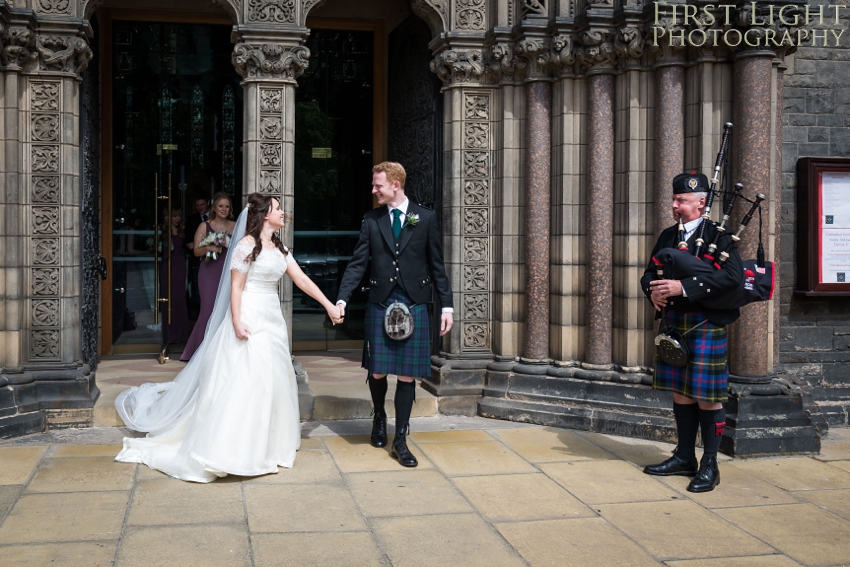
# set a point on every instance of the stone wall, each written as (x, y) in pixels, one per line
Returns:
(814, 331)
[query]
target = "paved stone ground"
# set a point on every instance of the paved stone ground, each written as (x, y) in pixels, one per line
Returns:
(487, 493)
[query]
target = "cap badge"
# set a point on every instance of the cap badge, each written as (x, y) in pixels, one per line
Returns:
(693, 182)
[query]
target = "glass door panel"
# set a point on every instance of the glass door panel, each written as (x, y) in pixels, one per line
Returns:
(176, 124)
(333, 162)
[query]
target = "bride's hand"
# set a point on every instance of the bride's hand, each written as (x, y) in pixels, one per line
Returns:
(333, 313)
(242, 331)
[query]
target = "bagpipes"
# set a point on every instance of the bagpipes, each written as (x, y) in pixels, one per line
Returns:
(677, 263)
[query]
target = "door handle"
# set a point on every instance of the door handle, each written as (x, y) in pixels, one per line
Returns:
(119, 289)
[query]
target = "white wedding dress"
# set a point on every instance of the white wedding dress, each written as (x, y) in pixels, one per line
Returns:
(241, 417)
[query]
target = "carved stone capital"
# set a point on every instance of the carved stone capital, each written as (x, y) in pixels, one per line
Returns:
(665, 40)
(629, 45)
(62, 54)
(270, 61)
(597, 53)
(18, 43)
(457, 66)
(502, 63)
(536, 58)
(563, 54)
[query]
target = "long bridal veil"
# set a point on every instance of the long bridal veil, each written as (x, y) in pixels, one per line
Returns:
(155, 407)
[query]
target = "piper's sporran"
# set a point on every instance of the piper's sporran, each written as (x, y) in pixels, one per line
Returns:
(398, 323)
(671, 348)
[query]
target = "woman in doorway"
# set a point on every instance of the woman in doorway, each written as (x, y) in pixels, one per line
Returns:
(172, 268)
(212, 264)
(234, 408)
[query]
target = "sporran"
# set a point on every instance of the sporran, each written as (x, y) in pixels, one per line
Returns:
(398, 322)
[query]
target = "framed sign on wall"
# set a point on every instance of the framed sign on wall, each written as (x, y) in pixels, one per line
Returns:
(823, 222)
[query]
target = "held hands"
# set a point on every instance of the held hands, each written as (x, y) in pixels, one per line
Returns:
(335, 312)
(661, 290)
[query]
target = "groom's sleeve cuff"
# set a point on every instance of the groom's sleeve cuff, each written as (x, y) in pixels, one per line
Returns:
(341, 302)
(448, 310)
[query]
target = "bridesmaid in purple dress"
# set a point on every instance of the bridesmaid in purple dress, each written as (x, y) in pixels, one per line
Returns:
(210, 271)
(178, 330)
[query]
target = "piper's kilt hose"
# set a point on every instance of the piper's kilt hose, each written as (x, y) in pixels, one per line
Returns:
(383, 355)
(706, 377)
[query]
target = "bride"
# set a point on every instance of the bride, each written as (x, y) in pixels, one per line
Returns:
(234, 407)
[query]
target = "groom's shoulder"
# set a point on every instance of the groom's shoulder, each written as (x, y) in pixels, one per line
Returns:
(373, 214)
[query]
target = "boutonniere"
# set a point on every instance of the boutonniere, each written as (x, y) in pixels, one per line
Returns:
(412, 219)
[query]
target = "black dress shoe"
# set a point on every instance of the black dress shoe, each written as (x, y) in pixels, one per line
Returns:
(400, 450)
(379, 429)
(675, 465)
(708, 476)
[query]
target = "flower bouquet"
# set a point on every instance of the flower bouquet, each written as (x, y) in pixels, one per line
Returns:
(219, 238)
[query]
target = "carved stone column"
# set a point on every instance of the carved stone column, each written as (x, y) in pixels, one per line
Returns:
(597, 56)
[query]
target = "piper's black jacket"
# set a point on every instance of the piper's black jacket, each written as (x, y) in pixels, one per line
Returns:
(702, 286)
(414, 262)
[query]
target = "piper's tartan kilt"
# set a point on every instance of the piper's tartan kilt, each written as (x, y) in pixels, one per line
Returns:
(706, 377)
(383, 355)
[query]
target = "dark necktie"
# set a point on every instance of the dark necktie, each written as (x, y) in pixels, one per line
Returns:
(396, 222)
(204, 217)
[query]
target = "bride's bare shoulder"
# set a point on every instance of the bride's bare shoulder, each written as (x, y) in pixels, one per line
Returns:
(248, 240)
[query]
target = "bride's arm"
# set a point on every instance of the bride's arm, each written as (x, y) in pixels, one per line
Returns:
(299, 278)
(237, 281)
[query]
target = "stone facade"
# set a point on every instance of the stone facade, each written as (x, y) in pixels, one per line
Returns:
(563, 123)
(814, 332)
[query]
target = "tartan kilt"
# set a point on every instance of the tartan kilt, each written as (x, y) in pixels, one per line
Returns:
(383, 355)
(706, 377)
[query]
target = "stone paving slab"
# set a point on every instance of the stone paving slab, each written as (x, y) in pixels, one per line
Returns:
(488, 493)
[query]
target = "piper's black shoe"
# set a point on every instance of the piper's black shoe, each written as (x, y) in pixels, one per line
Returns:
(675, 465)
(708, 476)
(400, 450)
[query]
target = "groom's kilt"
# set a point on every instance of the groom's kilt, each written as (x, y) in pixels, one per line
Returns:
(706, 377)
(383, 355)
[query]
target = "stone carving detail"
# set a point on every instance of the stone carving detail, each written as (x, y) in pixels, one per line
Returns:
(45, 127)
(53, 6)
(434, 12)
(469, 15)
(476, 192)
(45, 281)
(46, 251)
(475, 249)
(536, 57)
(271, 11)
(476, 278)
(45, 189)
(63, 54)
(270, 182)
(476, 221)
(563, 53)
(455, 66)
(44, 344)
(476, 107)
(45, 220)
(270, 155)
(597, 51)
(476, 306)
(534, 7)
(628, 45)
(271, 128)
(503, 63)
(45, 97)
(17, 43)
(45, 159)
(476, 164)
(477, 135)
(45, 313)
(270, 61)
(475, 336)
(271, 100)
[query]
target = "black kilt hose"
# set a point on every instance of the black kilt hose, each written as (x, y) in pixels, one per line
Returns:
(408, 357)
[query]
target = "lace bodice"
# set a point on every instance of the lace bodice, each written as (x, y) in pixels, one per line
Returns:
(264, 272)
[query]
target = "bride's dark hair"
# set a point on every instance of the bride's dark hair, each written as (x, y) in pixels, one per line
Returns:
(258, 207)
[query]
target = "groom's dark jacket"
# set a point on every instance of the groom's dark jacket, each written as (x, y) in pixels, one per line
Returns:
(414, 261)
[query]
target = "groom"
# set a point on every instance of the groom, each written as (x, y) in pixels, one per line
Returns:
(400, 243)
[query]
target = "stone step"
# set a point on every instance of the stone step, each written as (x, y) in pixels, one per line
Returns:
(351, 400)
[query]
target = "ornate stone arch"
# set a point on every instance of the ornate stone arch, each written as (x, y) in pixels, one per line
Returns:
(86, 8)
(434, 12)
